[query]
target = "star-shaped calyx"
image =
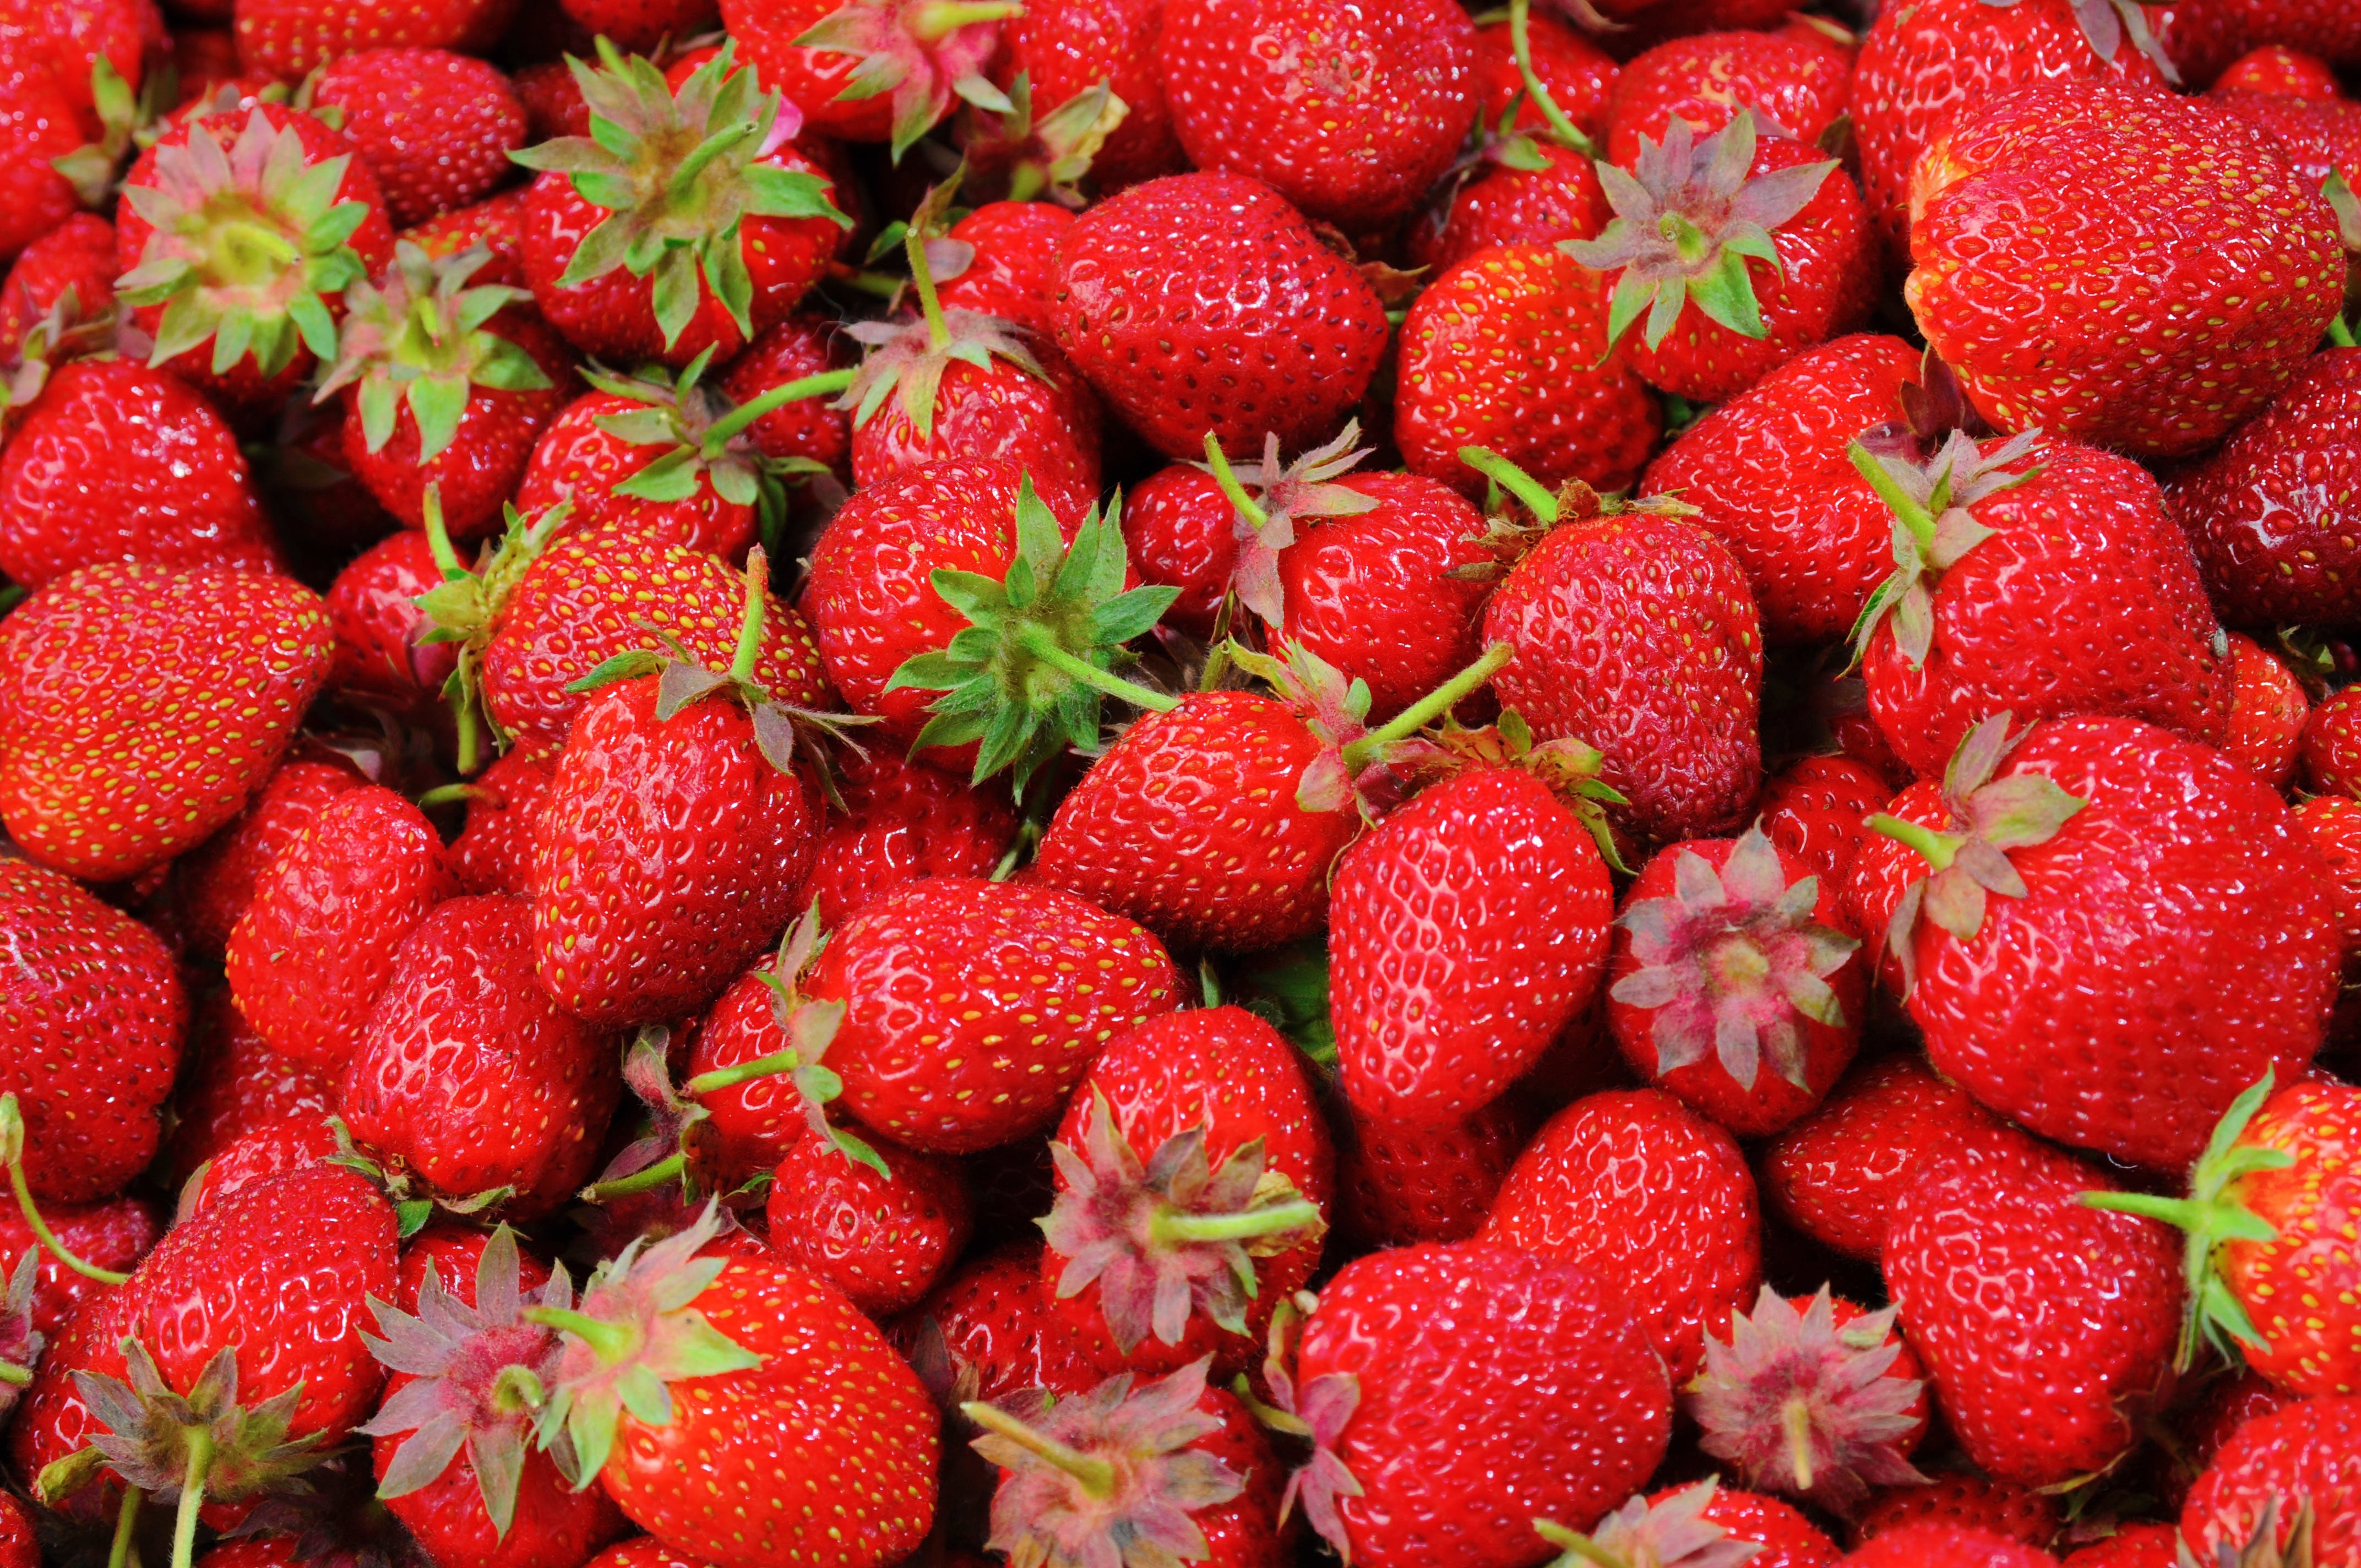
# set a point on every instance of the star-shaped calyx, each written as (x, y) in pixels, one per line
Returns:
(465, 608)
(1265, 518)
(1105, 1479)
(2262, 1546)
(1934, 526)
(2105, 24)
(1688, 219)
(1670, 1534)
(1804, 1406)
(200, 1445)
(1316, 1412)
(1734, 964)
(680, 172)
(1174, 1237)
(1968, 858)
(1045, 160)
(921, 51)
(702, 434)
(68, 331)
(1569, 767)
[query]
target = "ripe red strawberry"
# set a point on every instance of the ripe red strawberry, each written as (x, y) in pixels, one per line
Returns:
(77, 256)
(1351, 115)
(494, 852)
(870, 69)
(2318, 139)
(883, 1241)
(231, 1082)
(2138, 1545)
(111, 1235)
(1518, 190)
(317, 942)
(1945, 1546)
(1965, 1499)
(2330, 747)
(1981, 555)
(435, 128)
(2283, 72)
(383, 660)
(1001, 259)
(1396, 1186)
(1794, 88)
(2270, 538)
(43, 128)
(2047, 1325)
(1203, 304)
(1731, 983)
(2267, 710)
(444, 389)
(1181, 531)
(1634, 1188)
(1069, 47)
(52, 1421)
(2309, 1453)
(267, 1149)
(777, 1385)
(1580, 76)
(995, 1324)
(2033, 152)
(1201, 1119)
(140, 705)
(1556, 1406)
(19, 1546)
(1816, 809)
(812, 428)
(288, 39)
(243, 318)
(1836, 1175)
(497, 224)
(1589, 610)
(901, 821)
(215, 882)
(626, 269)
(1507, 350)
(65, 43)
(2201, 858)
(1697, 1526)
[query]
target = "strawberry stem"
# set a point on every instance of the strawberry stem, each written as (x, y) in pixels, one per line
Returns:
(12, 1154)
(750, 625)
(611, 1341)
(1581, 1546)
(719, 433)
(517, 1390)
(1797, 1417)
(1521, 40)
(643, 1181)
(1428, 709)
(1513, 480)
(1039, 641)
(126, 1520)
(1916, 518)
(1097, 1476)
(1938, 849)
(933, 22)
(1225, 476)
(447, 794)
(730, 1077)
(16, 1376)
(1169, 1226)
(922, 277)
(438, 536)
(193, 1496)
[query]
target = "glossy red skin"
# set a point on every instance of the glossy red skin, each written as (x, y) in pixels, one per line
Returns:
(884, 1242)
(2311, 1449)
(1580, 75)
(2047, 1326)
(77, 255)
(217, 881)
(1773, 1103)
(668, 856)
(19, 1548)
(941, 982)
(2318, 138)
(267, 1149)
(1226, 1071)
(231, 1083)
(1946, 1546)
(1963, 1500)
(2209, 1424)
(40, 123)
(95, 1011)
(1505, 350)
(833, 1408)
(1836, 1175)
(1204, 303)
(1788, 1539)
(469, 1076)
(555, 1526)
(1639, 635)
(902, 820)
(600, 592)
(1396, 1186)
(2330, 747)
(317, 943)
(574, 460)
(995, 1319)
(382, 660)
(51, 1420)
(1350, 113)
(116, 461)
(1495, 1388)
(2014, 187)
(1502, 205)
(1066, 47)
(1769, 476)
(2300, 1290)
(1047, 428)
(1633, 1186)
(494, 852)
(288, 37)
(1815, 808)
(748, 1126)
(2040, 621)
(118, 679)
(2263, 511)
(435, 127)
(1468, 930)
(1190, 825)
(2104, 966)
(1015, 266)
(2333, 823)
(497, 224)
(497, 437)
(2267, 713)
(803, 344)
(2142, 1545)
(64, 43)
(1706, 78)
(450, 1250)
(114, 1234)
(1181, 532)
(2275, 68)
(613, 315)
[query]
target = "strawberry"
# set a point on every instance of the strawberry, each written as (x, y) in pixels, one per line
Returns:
(623, 267)
(1396, 1186)
(497, 224)
(1507, 350)
(1768, 477)
(19, 1546)
(2317, 139)
(1967, 1499)
(1731, 959)
(112, 1236)
(2034, 152)
(2267, 709)
(452, 1252)
(494, 852)
(813, 428)
(383, 658)
(1945, 1546)
(2201, 857)
(85, 479)
(776, 1384)
(2138, 1545)
(1194, 1179)
(641, 25)
(1632, 1187)
(2227, 1405)
(1980, 555)
(1699, 1526)
(231, 1082)
(1065, 48)
(53, 1422)
(443, 388)
(995, 1324)
(65, 43)
(1694, 220)
(1794, 88)
(2270, 540)
(2330, 746)
(1815, 809)
(1578, 76)
(117, 679)
(42, 130)
(873, 70)
(1351, 115)
(1587, 608)
(435, 128)
(2333, 823)
(290, 38)
(2092, 1300)
(317, 943)
(1181, 531)
(240, 233)
(77, 256)
(2280, 71)
(901, 821)
(1203, 304)
(883, 1241)
(1518, 190)
(1001, 259)
(2299, 1464)
(1556, 1405)
(675, 834)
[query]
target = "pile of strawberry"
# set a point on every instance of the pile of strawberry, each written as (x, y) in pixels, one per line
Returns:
(1113, 783)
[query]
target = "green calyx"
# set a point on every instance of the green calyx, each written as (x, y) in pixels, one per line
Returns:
(91, 168)
(1934, 528)
(1507, 538)
(2214, 1214)
(1027, 677)
(418, 337)
(705, 434)
(1047, 159)
(465, 609)
(681, 172)
(921, 51)
(247, 240)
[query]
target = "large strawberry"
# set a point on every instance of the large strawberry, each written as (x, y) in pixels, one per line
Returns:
(140, 705)
(2293, 1468)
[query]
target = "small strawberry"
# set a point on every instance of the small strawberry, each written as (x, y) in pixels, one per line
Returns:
(231, 1082)
(1514, 190)
(1398, 1186)
(995, 1324)
(1818, 809)
(1794, 89)
(642, 26)
(435, 128)
(1965, 1499)
(2268, 707)
(2142, 1544)
(77, 256)
(883, 1241)
(813, 428)
(215, 882)
(901, 821)
(290, 38)
(269, 1148)
(1001, 259)
(43, 130)
(874, 69)
(2293, 1473)
(494, 852)
(1065, 48)
(2320, 140)
(383, 658)
(2280, 71)
(2330, 746)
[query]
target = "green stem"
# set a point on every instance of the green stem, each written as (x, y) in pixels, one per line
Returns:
(1513, 480)
(1038, 641)
(516, 1390)
(126, 1518)
(1938, 849)
(1097, 1476)
(718, 435)
(1278, 1217)
(646, 1180)
(722, 1078)
(1223, 475)
(1025, 181)
(1521, 39)
(883, 285)
(945, 17)
(750, 623)
(12, 1135)
(2178, 1213)
(192, 1497)
(470, 728)
(438, 537)
(1915, 517)
(1269, 1416)
(1428, 709)
(1565, 1540)
(16, 1376)
(611, 1341)
(939, 332)
(447, 794)
(2340, 334)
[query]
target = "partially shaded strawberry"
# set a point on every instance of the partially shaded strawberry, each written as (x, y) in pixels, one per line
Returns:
(883, 1239)
(1519, 189)
(495, 223)
(1578, 76)
(2330, 746)
(994, 1320)
(901, 821)
(384, 659)
(2296, 1472)
(287, 38)
(1398, 1185)
(77, 255)
(1703, 1525)
(493, 853)
(810, 427)
(1069, 47)
(2268, 706)
(1001, 259)
(1816, 809)
(214, 884)
(232, 1082)
(38, 1291)
(872, 70)
(1794, 88)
